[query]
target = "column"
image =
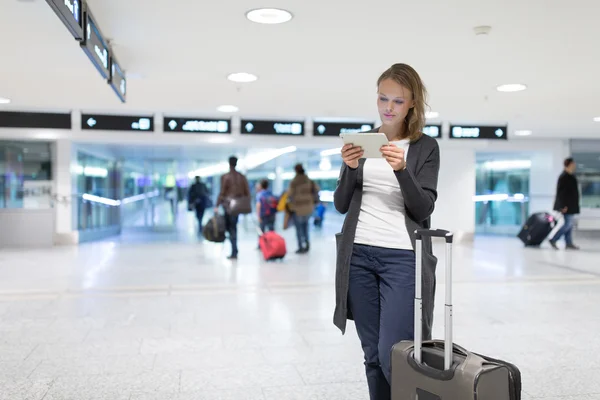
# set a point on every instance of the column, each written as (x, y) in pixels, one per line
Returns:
(65, 189)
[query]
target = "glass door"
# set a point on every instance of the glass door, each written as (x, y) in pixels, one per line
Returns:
(502, 195)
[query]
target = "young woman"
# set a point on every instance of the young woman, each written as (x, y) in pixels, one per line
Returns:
(386, 199)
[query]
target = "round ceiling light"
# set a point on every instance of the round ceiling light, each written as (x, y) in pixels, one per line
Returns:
(523, 133)
(269, 16)
(597, 119)
(511, 87)
(242, 77)
(432, 114)
(4, 100)
(228, 109)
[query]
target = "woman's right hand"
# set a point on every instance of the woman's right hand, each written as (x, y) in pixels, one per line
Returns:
(351, 154)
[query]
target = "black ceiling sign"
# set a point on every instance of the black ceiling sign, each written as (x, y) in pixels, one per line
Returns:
(478, 132)
(96, 47)
(336, 128)
(196, 125)
(71, 14)
(117, 80)
(272, 127)
(14, 119)
(435, 131)
(99, 122)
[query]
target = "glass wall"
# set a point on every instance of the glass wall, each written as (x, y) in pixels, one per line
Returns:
(98, 193)
(502, 194)
(25, 174)
(588, 175)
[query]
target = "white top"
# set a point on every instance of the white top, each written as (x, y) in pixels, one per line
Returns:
(381, 221)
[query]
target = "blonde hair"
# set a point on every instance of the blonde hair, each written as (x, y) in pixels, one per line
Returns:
(406, 76)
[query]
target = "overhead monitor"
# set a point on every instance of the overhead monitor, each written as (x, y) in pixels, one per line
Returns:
(96, 47)
(271, 127)
(335, 128)
(478, 132)
(117, 79)
(16, 119)
(99, 122)
(196, 125)
(70, 13)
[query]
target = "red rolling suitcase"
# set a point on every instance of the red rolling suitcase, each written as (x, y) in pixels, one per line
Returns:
(272, 245)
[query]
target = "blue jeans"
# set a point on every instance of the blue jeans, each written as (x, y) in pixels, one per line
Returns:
(231, 222)
(566, 230)
(301, 223)
(381, 299)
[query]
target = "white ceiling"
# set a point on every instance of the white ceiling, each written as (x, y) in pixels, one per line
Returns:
(324, 63)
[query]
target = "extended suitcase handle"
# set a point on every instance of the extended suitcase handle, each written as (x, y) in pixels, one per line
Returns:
(419, 234)
(440, 233)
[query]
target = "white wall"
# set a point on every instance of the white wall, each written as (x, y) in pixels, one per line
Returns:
(455, 210)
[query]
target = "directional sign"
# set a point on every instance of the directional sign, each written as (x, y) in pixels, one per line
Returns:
(117, 122)
(435, 131)
(196, 125)
(335, 128)
(96, 48)
(283, 128)
(70, 13)
(117, 79)
(478, 132)
(13, 119)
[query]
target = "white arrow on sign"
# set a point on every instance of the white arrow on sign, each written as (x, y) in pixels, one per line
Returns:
(249, 127)
(499, 132)
(321, 129)
(173, 124)
(91, 122)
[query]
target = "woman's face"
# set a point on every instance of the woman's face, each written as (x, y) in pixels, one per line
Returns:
(393, 102)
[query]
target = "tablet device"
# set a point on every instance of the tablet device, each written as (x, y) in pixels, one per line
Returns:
(370, 142)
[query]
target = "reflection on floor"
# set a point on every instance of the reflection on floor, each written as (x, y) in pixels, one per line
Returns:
(147, 316)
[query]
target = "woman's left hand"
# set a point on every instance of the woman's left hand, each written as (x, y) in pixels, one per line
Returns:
(394, 155)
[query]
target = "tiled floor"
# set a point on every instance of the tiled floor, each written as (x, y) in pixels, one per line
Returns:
(161, 320)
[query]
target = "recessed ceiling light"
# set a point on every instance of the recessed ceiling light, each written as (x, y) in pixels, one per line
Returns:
(228, 109)
(242, 77)
(597, 119)
(4, 100)
(511, 87)
(432, 114)
(523, 133)
(269, 16)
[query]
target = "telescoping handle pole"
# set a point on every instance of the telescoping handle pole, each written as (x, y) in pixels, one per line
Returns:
(448, 236)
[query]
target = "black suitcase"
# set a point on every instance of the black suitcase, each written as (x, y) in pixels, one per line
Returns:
(537, 228)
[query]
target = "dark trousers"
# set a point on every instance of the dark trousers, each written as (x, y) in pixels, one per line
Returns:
(267, 223)
(381, 298)
(231, 222)
(301, 223)
(566, 230)
(200, 216)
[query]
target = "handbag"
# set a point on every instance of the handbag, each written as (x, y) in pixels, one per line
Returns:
(240, 205)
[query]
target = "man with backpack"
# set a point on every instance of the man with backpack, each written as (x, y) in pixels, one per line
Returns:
(266, 207)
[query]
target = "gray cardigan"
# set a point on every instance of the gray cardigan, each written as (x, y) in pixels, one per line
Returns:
(419, 189)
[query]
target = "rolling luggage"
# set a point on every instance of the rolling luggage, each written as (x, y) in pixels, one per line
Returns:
(537, 228)
(272, 245)
(442, 370)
